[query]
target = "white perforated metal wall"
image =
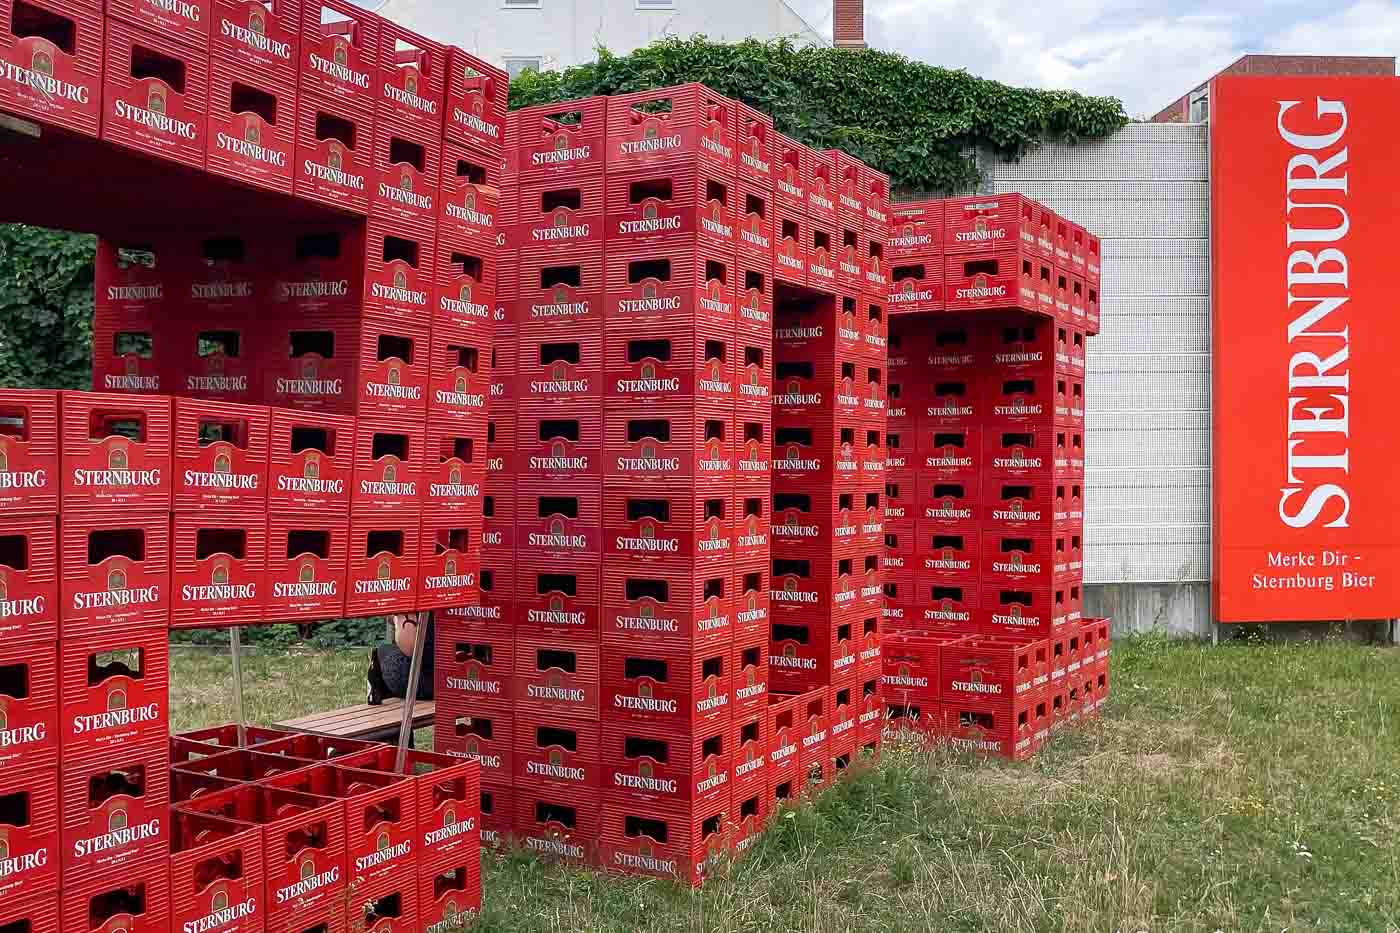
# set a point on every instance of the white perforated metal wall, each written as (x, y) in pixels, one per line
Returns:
(1146, 192)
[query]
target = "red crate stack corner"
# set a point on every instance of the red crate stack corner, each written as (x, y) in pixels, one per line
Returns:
(156, 88)
(252, 127)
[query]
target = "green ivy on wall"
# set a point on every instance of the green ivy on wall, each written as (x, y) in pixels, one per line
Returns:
(45, 308)
(919, 123)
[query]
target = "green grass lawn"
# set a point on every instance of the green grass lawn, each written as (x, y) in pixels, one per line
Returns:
(1240, 788)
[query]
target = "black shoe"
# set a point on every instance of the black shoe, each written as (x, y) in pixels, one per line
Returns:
(377, 690)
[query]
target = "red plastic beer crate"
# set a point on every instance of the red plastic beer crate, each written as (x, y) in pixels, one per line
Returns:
(916, 230)
(816, 449)
(458, 381)
(554, 367)
(394, 366)
(115, 572)
(53, 53)
(217, 363)
(648, 764)
(185, 23)
(668, 605)
(114, 693)
(823, 254)
(307, 559)
(390, 461)
(802, 653)
(36, 914)
(29, 591)
(475, 108)
(450, 895)
(556, 675)
(876, 189)
(852, 252)
(137, 900)
(978, 224)
(1020, 611)
(561, 292)
(29, 461)
(449, 562)
(389, 905)
(216, 874)
(560, 215)
(824, 520)
(752, 510)
(814, 716)
(955, 398)
(1006, 730)
(670, 287)
(155, 91)
(784, 760)
(678, 690)
(455, 473)
(753, 134)
(311, 461)
(553, 522)
(479, 734)
(258, 34)
(334, 151)
(558, 598)
(556, 824)
(643, 366)
(750, 666)
(676, 843)
(405, 172)
(115, 808)
(470, 195)
(475, 668)
(498, 510)
(411, 83)
(557, 753)
(992, 669)
(676, 442)
(995, 280)
(754, 213)
(497, 815)
(399, 270)
(918, 287)
(646, 524)
(753, 280)
(1020, 504)
(339, 53)
(559, 140)
(251, 135)
(949, 555)
(791, 234)
(116, 450)
(383, 573)
(945, 608)
(29, 706)
(749, 741)
(792, 163)
(675, 126)
(465, 296)
(221, 455)
(820, 584)
(310, 364)
(31, 805)
(901, 505)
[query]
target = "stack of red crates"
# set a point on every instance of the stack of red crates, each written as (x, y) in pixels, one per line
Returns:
(984, 493)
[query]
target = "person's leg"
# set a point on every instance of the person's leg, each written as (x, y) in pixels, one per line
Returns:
(377, 690)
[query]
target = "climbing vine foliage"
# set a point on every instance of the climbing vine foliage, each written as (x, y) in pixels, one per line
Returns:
(45, 308)
(919, 123)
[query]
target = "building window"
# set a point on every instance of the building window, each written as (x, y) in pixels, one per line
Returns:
(515, 67)
(656, 4)
(1199, 108)
(521, 4)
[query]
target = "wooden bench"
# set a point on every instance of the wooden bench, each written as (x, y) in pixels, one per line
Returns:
(372, 723)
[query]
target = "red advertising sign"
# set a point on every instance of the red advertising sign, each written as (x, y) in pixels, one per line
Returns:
(1304, 174)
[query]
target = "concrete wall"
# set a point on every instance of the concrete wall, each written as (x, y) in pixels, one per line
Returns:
(566, 32)
(1145, 191)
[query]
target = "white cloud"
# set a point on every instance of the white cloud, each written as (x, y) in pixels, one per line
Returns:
(1146, 52)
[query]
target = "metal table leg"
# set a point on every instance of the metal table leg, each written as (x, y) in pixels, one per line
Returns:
(415, 672)
(235, 642)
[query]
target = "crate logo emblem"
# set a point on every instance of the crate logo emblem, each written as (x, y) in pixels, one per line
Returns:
(251, 132)
(561, 295)
(949, 553)
(749, 677)
(465, 292)
(649, 290)
(308, 869)
(311, 469)
(556, 526)
(449, 567)
(909, 231)
(979, 281)
(117, 820)
(155, 99)
(256, 22)
(909, 288)
(561, 141)
(1015, 611)
(556, 758)
(400, 279)
(385, 570)
(753, 601)
(469, 199)
(644, 691)
(558, 449)
(406, 179)
(341, 52)
(42, 62)
(219, 575)
(223, 463)
(560, 372)
(382, 843)
(454, 475)
(753, 300)
(948, 605)
(116, 579)
(391, 472)
(306, 571)
(1016, 559)
(645, 770)
(651, 131)
(553, 679)
(410, 80)
(117, 458)
(392, 377)
(648, 372)
(980, 226)
(648, 452)
(649, 211)
(648, 531)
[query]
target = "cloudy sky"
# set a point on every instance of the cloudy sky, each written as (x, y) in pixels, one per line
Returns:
(1147, 52)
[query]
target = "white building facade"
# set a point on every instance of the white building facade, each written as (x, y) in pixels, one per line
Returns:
(522, 35)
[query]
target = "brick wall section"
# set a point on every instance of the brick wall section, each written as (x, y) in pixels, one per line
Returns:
(1179, 110)
(848, 23)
